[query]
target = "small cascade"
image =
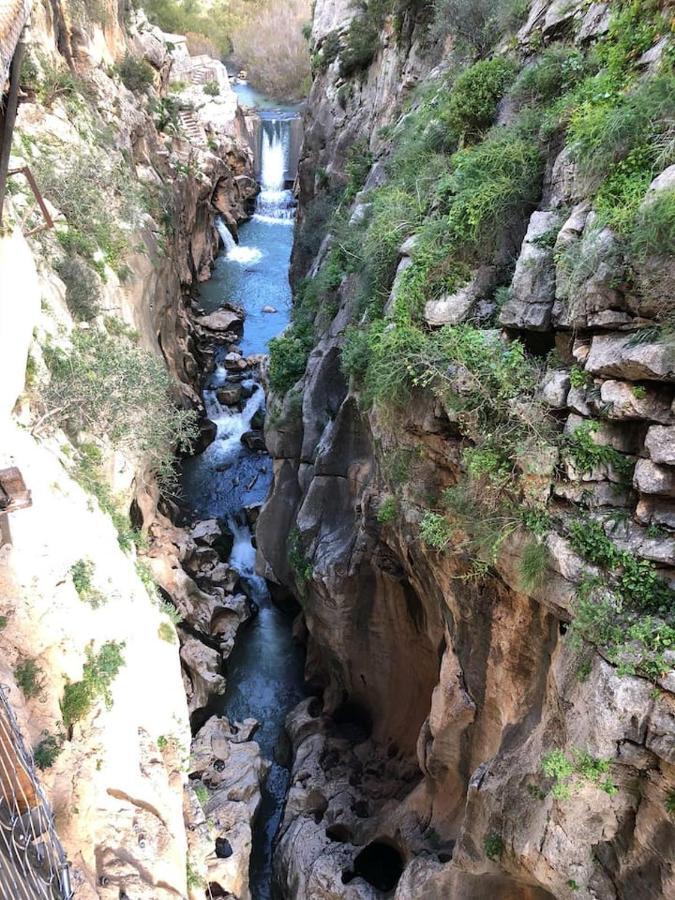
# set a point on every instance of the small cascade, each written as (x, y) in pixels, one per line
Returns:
(233, 250)
(242, 559)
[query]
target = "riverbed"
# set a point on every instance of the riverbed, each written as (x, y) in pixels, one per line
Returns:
(265, 669)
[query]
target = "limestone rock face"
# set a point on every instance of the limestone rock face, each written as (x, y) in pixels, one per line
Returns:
(450, 685)
(533, 287)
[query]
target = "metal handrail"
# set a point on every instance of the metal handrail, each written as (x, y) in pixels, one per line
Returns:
(33, 865)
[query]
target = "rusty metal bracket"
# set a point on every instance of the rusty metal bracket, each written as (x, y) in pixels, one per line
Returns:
(26, 172)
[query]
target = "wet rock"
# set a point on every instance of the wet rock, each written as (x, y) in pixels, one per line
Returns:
(254, 440)
(223, 320)
(207, 532)
(203, 671)
(207, 435)
(252, 511)
(621, 356)
(229, 395)
(235, 361)
(652, 479)
(533, 287)
(269, 309)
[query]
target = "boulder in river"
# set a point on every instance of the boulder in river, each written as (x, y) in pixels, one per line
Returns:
(235, 361)
(254, 440)
(229, 395)
(221, 320)
(207, 435)
(269, 309)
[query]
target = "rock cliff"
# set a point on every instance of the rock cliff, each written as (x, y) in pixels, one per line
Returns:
(134, 160)
(472, 424)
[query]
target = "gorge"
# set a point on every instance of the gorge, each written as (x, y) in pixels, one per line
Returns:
(356, 583)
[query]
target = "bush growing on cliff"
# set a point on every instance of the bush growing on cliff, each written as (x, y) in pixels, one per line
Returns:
(557, 765)
(477, 24)
(115, 390)
(98, 674)
(137, 75)
(47, 751)
(475, 95)
(362, 40)
(82, 573)
(29, 677)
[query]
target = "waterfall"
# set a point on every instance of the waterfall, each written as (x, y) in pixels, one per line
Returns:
(234, 251)
(229, 242)
(274, 203)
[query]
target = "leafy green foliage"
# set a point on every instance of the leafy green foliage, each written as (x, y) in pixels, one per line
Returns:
(113, 389)
(28, 675)
(587, 455)
(167, 632)
(47, 750)
(386, 511)
(212, 89)
(653, 231)
(98, 674)
(475, 95)
(137, 74)
(202, 793)
(670, 803)
(556, 70)
(568, 774)
(362, 40)
(81, 572)
(493, 846)
(477, 25)
(435, 530)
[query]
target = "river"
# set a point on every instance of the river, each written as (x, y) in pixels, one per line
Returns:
(265, 669)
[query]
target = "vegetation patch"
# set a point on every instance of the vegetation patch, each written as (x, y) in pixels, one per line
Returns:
(570, 772)
(98, 674)
(82, 573)
(47, 750)
(29, 677)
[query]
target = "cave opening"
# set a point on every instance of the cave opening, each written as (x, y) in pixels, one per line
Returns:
(352, 721)
(379, 863)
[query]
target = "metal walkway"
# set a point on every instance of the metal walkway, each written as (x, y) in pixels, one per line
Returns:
(32, 862)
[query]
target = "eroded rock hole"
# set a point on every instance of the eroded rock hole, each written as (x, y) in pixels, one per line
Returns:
(352, 722)
(339, 833)
(223, 848)
(379, 863)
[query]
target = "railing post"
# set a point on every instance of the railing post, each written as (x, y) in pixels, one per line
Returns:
(8, 119)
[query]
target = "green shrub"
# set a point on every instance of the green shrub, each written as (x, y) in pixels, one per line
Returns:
(475, 95)
(386, 511)
(362, 40)
(533, 565)
(587, 455)
(355, 353)
(493, 846)
(28, 675)
(212, 88)
(201, 793)
(558, 766)
(556, 70)
(435, 530)
(357, 166)
(653, 229)
(670, 803)
(288, 358)
(98, 674)
(328, 52)
(110, 388)
(81, 572)
(492, 184)
(137, 75)
(589, 540)
(48, 749)
(477, 24)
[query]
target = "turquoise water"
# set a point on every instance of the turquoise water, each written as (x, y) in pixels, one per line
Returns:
(265, 669)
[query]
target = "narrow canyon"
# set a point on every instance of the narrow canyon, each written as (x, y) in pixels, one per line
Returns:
(337, 470)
